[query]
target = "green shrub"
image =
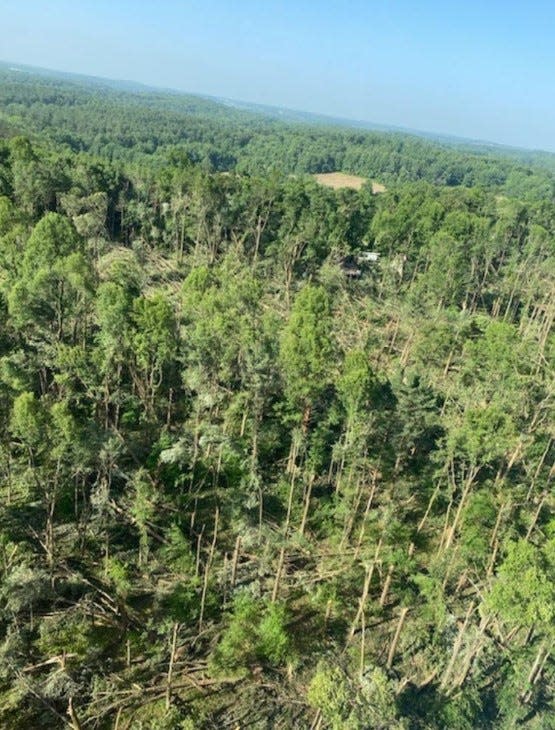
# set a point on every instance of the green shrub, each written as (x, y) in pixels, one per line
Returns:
(256, 632)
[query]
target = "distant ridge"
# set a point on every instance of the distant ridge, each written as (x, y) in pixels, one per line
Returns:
(284, 114)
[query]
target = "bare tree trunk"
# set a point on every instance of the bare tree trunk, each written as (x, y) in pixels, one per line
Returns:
(74, 720)
(235, 562)
(536, 516)
(352, 515)
(365, 516)
(428, 510)
(277, 578)
(491, 565)
(493, 540)
(386, 585)
(307, 503)
(365, 590)
(289, 505)
(171, 665)
(538, 469)
(362, 643)
(445, 530)
(458, 514)
(471, 655)
(292, 470)
(197, 558)
(207, 569)
(457, 646)
(536, 671)
(393, 647)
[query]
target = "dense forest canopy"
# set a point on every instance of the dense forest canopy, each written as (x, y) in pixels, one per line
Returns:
(246, 482)
(116, 123)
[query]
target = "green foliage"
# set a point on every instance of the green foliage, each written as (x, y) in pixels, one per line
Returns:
(256, 632)
(486, 434)
(371, 704)
(176, 552)
(478, 522)
(306, 346)
(70, 634)
(328, 692)
(154, 341)
(28, 419)
(524, 592)
(273, 640)
(53, 238)
(239, 485)
(356, 383)
(118, 574)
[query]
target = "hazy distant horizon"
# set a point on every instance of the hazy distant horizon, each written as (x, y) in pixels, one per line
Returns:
(467, 71)
(249, 104)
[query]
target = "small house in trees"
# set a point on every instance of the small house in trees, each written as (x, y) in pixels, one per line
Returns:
(350, 267)
(368, 257)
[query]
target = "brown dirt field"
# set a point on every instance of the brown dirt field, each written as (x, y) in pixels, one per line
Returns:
(338, 180)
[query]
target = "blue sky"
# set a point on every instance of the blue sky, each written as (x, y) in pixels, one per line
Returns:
(484, 70)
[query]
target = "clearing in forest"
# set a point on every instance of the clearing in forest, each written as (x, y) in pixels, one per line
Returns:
(338, 180)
